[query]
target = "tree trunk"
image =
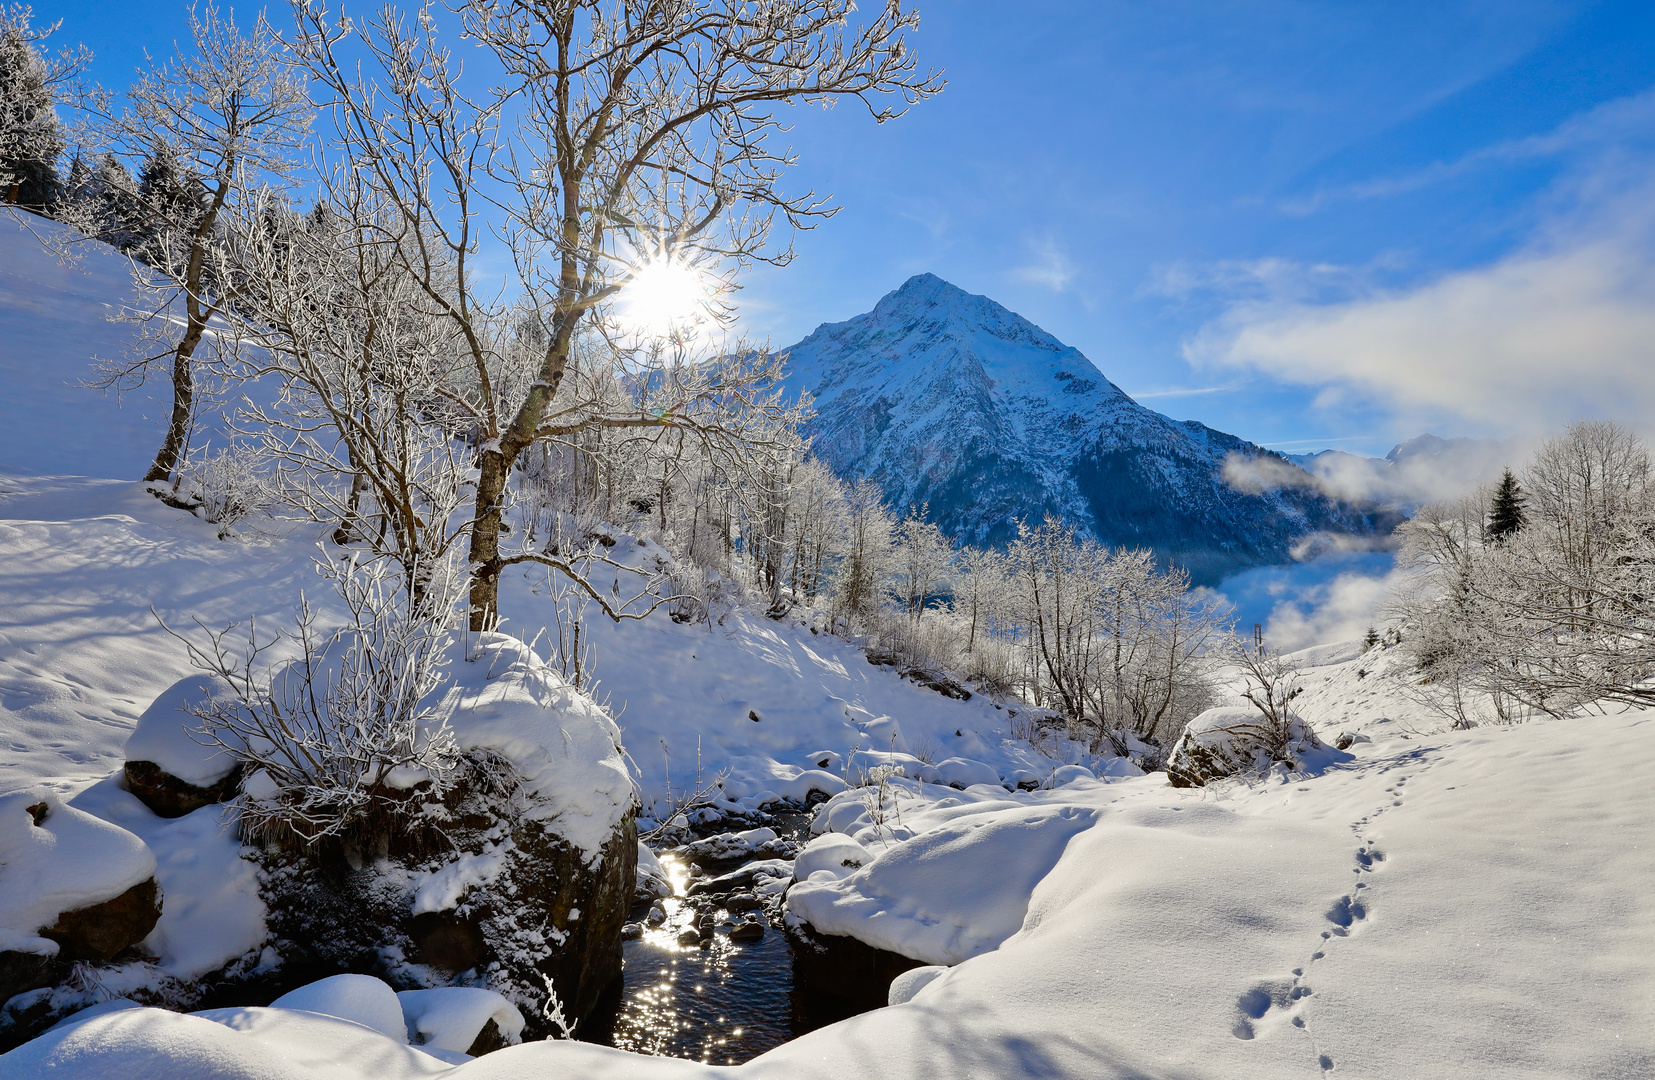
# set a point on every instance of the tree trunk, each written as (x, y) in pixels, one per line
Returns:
(183, 404)
(485, 540)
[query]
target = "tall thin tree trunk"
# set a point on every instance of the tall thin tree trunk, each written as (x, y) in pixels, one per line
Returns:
(183, 404)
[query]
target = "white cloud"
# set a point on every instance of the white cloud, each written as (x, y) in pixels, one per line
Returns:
(1560, 329)
(1050, 269)
(1339, 610)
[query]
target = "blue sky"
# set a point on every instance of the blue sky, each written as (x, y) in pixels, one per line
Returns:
(1310, 224)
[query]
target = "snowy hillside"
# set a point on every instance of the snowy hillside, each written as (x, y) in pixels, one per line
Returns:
(948, 398)
(56, 318)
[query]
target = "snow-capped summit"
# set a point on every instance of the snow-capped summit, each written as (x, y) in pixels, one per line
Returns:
(947, 398)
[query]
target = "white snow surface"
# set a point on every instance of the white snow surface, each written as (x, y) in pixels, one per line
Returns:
(68, 861)
(166, 733)
(1504, 879)
(451, 1017)
(55, 318)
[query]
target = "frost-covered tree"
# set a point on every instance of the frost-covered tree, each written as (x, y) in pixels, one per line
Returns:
(31, 135)
(224, 116)
(1550, 617)
(923, 555)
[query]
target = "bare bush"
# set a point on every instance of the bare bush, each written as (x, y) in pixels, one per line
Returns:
(336, 738)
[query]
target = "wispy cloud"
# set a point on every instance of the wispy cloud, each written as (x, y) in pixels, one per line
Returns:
(1050, 268)
(1627, 120)
(1560, 328)
(1186, 391)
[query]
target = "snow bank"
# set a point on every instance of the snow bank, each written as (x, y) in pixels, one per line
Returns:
(55, 858)
(211, 911)
(504, 698)
(166, 734)
(948, 894)
(361, 999)
(451, 1017)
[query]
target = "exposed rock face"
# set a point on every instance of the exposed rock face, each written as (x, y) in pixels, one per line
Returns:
(949, 399)
(170, 797)
(99, 932)
(841, 975)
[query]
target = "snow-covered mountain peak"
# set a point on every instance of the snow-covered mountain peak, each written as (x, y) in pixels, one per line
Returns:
(949, 399)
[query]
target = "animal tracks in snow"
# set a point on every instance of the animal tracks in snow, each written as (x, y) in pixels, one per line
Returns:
(1275, 1004)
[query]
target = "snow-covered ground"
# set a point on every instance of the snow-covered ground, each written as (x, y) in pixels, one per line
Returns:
(1443, 904)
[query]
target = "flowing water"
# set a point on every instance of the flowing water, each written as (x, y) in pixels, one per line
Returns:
(721, 1003)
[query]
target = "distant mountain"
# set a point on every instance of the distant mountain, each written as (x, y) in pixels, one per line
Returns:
(947, 398)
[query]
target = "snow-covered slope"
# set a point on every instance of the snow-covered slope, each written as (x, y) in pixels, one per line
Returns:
(54, 318)
(948, 398)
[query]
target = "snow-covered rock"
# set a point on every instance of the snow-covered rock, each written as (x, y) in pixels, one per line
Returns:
(1236, 739)
(947, 894)
(960, 773)
(361, 999)
(57, 861)
(831, 853)
(504, 698)
(454, 1018)
(168, 735)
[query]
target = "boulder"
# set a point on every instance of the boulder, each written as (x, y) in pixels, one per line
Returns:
(170, 765)
(1231, 740)
(168, 796)
(98, 932)
(72, 888)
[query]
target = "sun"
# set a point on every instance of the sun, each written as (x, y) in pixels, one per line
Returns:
(665, 296)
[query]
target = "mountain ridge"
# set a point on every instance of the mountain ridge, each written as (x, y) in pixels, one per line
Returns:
(948, 398)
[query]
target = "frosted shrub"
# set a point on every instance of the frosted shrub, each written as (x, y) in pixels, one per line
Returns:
(228, 485)
(333, 740)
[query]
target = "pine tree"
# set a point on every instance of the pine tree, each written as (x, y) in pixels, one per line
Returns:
(168, 204)
(31, 135)
(1506, 515)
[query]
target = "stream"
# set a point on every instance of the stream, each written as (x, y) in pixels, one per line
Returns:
(721, 1002)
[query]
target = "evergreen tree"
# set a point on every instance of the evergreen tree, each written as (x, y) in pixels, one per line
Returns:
(102, 201)
(1506, 515)
(168, 205)
(31, 135)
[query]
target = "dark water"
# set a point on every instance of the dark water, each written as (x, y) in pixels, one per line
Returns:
(721, 1004)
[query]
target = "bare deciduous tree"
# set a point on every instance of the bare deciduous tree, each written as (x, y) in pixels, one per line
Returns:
(231, 114)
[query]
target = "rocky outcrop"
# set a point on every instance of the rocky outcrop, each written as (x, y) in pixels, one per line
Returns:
(840, 975)
(508, 905)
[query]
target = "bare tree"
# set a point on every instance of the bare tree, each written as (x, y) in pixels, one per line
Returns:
(646, 133)
(231, 114)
